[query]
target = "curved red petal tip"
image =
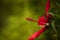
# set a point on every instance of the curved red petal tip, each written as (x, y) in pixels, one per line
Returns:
(42, 21)
(30, 39)
(49, 16)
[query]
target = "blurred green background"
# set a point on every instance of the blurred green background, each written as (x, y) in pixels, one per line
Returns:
(13, 23)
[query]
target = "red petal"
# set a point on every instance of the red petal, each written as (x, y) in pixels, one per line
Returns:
(35, 35)
(49, 15)
(47, 6)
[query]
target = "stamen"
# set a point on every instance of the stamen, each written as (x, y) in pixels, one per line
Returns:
(30, 19)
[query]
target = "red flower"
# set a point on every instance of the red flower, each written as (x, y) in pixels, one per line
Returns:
(42, 21)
